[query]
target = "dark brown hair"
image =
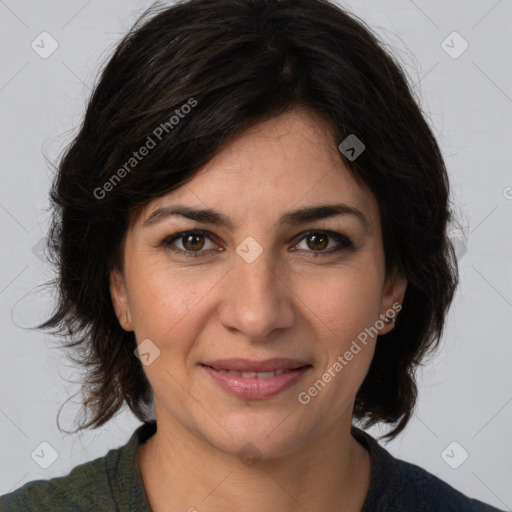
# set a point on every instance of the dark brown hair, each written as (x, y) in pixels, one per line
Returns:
(236, 63)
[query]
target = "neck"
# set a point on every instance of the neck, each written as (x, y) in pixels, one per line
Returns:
(183, 472)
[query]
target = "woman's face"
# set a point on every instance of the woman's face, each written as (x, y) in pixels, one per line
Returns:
(253, 285)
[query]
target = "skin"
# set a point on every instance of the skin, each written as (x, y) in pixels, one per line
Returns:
(286, 303)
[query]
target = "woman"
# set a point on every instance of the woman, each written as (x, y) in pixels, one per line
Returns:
(250, 237)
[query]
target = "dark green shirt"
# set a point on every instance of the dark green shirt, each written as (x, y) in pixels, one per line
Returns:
(114, 483)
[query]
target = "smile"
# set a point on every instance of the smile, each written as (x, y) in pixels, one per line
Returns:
(255, 385)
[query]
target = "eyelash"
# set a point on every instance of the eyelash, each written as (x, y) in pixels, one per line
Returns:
(341, 239)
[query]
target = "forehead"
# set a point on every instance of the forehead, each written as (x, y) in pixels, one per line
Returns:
(277, 165)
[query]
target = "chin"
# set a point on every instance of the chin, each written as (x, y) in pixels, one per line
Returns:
(265, 436)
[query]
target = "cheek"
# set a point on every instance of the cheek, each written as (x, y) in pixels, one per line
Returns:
(167, 310)
(344, 312)
(345, 300)
(166, 303)
(343, 308)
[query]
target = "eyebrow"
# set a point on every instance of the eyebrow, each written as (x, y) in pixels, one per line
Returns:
(293, 217)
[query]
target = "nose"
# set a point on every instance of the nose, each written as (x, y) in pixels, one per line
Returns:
(256, 301)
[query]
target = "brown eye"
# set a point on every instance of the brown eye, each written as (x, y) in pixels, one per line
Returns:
(317, 241)
(193, 242)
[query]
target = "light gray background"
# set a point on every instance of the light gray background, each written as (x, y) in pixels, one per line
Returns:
(465, 391)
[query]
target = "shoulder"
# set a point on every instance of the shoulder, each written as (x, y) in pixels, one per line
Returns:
(396, 485)
(111, 482)
(85, 487)
(432, 493)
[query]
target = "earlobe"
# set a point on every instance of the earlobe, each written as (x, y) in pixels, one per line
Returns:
(120, 299)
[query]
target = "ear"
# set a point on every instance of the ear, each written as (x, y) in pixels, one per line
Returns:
(392, 299)
(120, 299)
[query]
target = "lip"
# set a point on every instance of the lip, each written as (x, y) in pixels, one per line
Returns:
(256, 387)
(251, 365)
